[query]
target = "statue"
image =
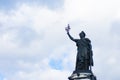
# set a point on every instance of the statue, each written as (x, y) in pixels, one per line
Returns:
(84, 59)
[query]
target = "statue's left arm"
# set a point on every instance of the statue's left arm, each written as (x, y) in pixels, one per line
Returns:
(90, 51)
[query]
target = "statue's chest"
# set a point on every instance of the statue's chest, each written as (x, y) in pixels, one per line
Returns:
(79, 43)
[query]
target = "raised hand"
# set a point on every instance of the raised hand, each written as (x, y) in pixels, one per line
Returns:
(67, 28)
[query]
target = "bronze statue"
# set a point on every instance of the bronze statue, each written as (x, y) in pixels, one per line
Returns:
(84, 59)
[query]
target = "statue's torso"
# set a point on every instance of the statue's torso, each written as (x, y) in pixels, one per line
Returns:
(83, 47)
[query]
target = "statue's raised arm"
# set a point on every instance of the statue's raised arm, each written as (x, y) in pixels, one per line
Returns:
(67, 30)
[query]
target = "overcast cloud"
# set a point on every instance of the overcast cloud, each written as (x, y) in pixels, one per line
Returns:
(34, 44)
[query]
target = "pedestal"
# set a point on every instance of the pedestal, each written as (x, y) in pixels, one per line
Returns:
(83, 75)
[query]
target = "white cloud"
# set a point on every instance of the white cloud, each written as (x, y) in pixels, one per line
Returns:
(45, 75)
(31, 61)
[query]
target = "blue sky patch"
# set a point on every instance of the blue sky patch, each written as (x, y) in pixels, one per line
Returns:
(56, 64)
(12, 4)
(1, 77)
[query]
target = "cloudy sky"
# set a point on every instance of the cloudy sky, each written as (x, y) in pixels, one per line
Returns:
(34, 44)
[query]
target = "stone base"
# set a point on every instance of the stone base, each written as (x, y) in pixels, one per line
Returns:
(87, 75)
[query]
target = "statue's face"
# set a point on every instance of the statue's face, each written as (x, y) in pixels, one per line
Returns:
(82, 35)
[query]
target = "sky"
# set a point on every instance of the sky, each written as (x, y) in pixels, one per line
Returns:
(34, 44)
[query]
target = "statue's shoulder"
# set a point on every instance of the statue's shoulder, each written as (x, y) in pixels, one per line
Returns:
(88, 40)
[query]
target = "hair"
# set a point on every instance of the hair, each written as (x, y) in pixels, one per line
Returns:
(82, 32)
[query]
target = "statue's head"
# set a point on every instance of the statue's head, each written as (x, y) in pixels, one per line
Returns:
(82, 34)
